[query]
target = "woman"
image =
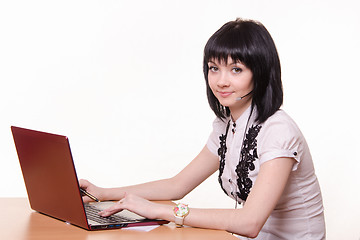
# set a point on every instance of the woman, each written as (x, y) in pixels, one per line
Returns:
(263, 159)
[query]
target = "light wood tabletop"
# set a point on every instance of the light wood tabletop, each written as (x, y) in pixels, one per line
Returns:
(19, 222)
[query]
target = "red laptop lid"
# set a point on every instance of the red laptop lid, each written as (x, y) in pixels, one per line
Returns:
(49, 174)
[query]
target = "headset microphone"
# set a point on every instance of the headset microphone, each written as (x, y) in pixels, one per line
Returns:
(239, 98)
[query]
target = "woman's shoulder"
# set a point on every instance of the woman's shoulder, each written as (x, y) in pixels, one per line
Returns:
(281, 137)
(282, 123)
(280, 117)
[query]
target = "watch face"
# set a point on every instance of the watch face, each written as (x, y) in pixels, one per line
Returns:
(181, 209)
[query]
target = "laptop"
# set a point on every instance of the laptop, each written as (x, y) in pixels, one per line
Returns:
(52, 184)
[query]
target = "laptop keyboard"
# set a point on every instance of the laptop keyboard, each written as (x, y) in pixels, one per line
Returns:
(92, 213)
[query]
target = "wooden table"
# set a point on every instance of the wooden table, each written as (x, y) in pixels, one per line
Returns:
(19, 222)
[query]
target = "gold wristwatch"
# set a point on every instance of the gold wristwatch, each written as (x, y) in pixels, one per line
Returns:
(181, 210)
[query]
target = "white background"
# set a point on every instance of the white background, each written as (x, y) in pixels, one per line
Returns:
(123, 80)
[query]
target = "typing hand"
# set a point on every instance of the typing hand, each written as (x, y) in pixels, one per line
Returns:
(137, 205)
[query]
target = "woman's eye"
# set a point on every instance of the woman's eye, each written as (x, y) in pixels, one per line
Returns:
(237, 70)
(213, 69)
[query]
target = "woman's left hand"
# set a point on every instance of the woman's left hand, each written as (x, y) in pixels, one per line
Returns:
(137, 205)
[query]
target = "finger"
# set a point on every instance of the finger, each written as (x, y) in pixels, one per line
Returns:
(86, 199)
(109, 212)
(112, 210)
(83, 183)
(105, 213)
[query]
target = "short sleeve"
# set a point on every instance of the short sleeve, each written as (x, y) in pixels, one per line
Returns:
(213, 143)
(280, 137)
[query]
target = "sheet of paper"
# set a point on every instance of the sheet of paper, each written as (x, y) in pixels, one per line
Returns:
(142, 228)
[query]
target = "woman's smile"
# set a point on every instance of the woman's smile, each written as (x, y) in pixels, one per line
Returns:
(224, 94)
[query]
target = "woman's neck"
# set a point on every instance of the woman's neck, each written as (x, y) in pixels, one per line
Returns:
(238, 110)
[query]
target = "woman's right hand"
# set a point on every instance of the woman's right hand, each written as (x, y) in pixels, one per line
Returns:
(92, 189)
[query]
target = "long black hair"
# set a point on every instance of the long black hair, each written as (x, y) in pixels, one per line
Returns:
(250, 43)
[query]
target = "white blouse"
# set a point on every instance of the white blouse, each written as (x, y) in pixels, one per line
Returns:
(299, 213)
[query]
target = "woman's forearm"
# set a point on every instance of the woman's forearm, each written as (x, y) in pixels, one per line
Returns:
(164, 189)
(173, 188)
(237, 221)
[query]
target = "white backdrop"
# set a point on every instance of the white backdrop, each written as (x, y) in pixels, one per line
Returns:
(123, 80)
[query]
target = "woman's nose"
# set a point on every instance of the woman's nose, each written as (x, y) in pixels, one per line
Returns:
(223, 80)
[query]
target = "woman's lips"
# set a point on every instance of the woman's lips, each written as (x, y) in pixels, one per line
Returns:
(225, 94)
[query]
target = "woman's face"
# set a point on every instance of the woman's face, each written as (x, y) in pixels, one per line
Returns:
(229, 82)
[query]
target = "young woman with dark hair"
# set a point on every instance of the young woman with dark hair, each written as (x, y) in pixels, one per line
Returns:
(263, 159)
(250, 43)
